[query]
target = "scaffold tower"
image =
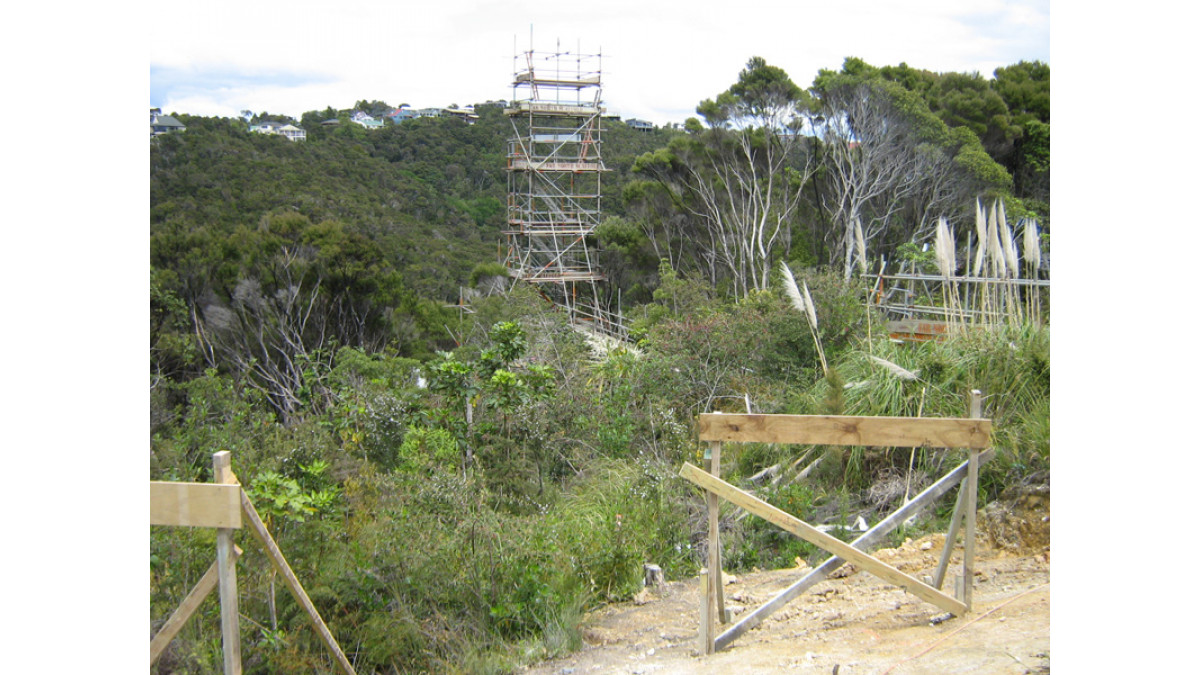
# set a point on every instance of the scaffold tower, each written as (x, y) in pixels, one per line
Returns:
(554, 171)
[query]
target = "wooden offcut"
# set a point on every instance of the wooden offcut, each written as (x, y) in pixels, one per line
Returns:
(195, 505)
(900, 432)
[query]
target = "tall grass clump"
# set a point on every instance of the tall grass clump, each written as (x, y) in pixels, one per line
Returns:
(1009, 364)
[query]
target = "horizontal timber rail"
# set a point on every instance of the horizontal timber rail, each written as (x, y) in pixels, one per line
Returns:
(904, 432)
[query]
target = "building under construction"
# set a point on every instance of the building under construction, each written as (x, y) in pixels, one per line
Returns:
(555, 167)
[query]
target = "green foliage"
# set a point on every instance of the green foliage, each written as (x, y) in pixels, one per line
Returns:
(427, 449)
(339, 254)
(483, 270)
(763, 94)
(1025, 88)
(1011, 366)
(281, 499)
(922, 262)
(355, 368)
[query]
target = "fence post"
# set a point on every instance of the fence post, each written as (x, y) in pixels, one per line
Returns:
(706, 612)
(972, 506)
(227, 577)
(714, 534)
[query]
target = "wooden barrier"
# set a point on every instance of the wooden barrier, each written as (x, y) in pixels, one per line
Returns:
(222, 506)
(972, 433)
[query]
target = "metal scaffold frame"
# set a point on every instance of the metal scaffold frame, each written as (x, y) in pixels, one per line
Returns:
(554, 173)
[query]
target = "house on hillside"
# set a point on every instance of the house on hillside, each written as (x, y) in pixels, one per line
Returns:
(163, 124)
(288, 131)
(400, 114)
(405, 113)
(363, 119)
(465, 114)
(267, 127)
(292, 133)
(640, 125)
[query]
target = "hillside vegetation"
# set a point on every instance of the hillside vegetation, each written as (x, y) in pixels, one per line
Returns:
(455, 489)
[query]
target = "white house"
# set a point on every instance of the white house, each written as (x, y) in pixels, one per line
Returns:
(163, 124)
(288, 131)
(292, 133)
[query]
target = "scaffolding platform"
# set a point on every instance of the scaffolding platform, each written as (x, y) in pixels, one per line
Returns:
(554, 167)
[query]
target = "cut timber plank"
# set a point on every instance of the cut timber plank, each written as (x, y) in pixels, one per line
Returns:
(867, 541)
(195, 505)
(901, 432)
(185, 610)
(828, 542)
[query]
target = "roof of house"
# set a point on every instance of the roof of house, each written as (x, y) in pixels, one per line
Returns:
(166, 121)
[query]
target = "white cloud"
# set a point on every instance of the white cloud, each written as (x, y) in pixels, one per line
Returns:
(660, 59)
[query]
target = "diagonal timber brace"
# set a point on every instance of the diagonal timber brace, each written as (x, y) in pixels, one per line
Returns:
(867, 541)
(826, 541)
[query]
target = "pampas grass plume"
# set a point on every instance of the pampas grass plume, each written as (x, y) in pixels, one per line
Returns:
(861, 244)
(810, 307)
(1033, 244)
(944, 248)
(981, 232)
(898, 371)
(1010, 248)
(995, 249)
(789, 287)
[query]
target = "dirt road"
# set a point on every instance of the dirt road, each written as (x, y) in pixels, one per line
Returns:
(852, 624)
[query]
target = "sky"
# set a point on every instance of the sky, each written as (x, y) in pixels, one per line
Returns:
(659, 59)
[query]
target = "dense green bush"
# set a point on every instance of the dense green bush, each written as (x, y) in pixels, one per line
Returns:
(456, 489)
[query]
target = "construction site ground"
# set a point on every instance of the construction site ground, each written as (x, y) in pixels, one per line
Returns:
(849, 623)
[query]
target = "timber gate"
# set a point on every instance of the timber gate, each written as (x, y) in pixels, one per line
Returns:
(972, 434)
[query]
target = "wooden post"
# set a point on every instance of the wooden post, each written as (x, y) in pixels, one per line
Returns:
(231, 645)
(714, 534)
(706, 610)
(971, 506)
